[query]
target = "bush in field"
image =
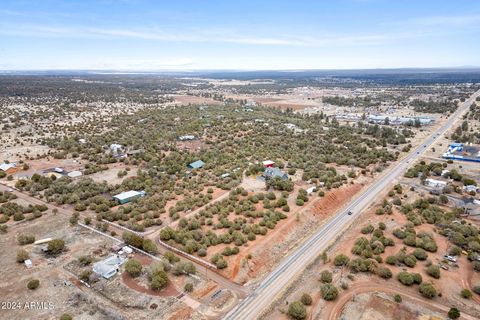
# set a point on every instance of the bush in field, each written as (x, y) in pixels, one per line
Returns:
(171, 257)
(157, 276)
(326, 276)
(297, 311)
(397, 298)
(306, 299)
(132, 239)
(434, 271)
(149, 246)
(410, 261)
(384, 272)
(159, 281)
(85, 260)
(341, 260)
(420, 254)
(453, 313)
(85, 276)
(56, 246)
(219, 261)
(22, 255)
(329, 291)
(427, 290)
(466, 294)
(65, 316)
(24, 239)
(188, 287)
(391, 260)
(33, 284)
(133, 268)
(405, 278)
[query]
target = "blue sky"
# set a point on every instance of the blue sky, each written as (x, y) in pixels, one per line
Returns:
(241, 34)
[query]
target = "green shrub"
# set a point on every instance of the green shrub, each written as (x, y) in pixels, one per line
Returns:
(405, 278)
(466, 294)
(56, 246)
(306, 299)
(427, 290)
(384, 273)
(434, 271)
(22, 255)
(453, 313)
(326, 276)
(24, 239)
(329, 291)
(133, 268)
(297, 311)
(33, 284)
(188, 287)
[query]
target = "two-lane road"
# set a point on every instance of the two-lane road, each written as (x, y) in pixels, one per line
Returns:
(261, 298)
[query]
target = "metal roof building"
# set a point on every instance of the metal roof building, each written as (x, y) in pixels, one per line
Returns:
(128, 196)
(196, 165)
(271, 173)
(109, 267)
(7, 166)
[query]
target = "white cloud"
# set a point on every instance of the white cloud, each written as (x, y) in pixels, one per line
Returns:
(220, 36)
(447, 21)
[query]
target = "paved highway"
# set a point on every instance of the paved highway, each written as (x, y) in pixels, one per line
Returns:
(261, 298)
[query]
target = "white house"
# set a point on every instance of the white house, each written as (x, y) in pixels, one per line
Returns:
(7, 166)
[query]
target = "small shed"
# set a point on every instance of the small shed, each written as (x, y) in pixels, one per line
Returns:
(74, 174)
(128, 196)
(268, 163)
(196, 165)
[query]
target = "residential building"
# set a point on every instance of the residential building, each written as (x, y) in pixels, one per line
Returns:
(271, 173)
(109, 267)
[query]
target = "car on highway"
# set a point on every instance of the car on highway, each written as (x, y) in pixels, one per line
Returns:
(10, 190)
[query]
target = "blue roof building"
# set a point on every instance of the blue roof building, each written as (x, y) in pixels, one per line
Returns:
(273, 172)
(196, 165)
